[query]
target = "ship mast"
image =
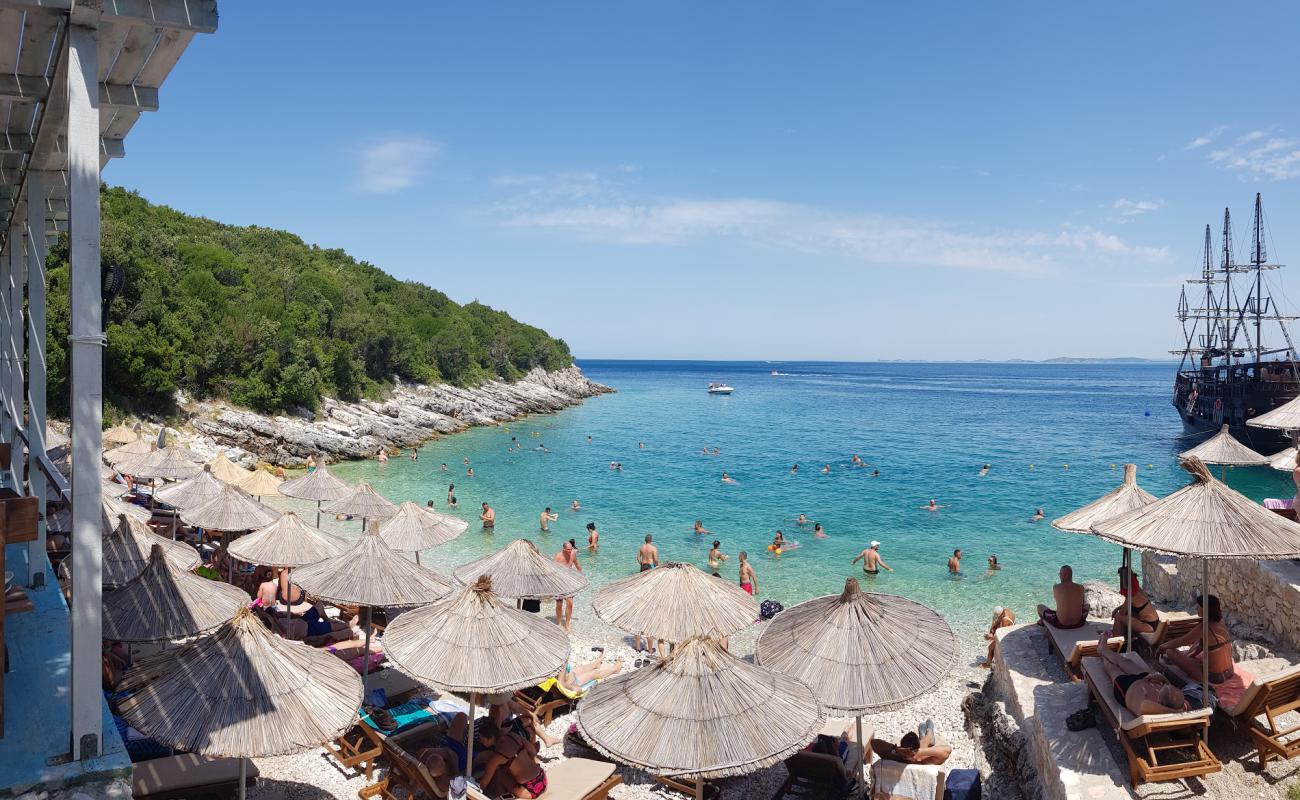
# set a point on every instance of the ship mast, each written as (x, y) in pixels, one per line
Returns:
(1226, 266)
(1257, 259)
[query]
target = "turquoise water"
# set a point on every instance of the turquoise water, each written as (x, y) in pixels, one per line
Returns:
(928, 428)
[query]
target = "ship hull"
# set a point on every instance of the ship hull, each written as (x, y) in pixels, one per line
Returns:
(1206, 399)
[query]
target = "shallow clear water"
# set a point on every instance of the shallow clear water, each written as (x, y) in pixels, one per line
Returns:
(927, 427)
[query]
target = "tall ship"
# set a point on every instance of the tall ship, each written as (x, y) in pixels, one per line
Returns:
(1238, 359)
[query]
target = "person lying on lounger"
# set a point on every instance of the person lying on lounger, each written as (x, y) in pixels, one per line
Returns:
(447, 760)
(580, 678)
(1069, 611)
(1145, 616)
(921, 747)
(1140, 691)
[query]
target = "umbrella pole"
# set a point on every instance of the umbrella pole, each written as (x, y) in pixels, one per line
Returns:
(469, 738)
(243, 777)
(417, 558)
(1128, 562)
(365, 659)
(699, 788)
(317, 513)
(862, 758)
(1205, 640)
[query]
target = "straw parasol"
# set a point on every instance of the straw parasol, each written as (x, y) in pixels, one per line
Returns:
(114, 506)
(370, 573)
(414, 528)
(226, 470)
(1205, 519)
(700, 713)
(120, 434)
(261, 484)
(1223, 449)
(364, 502)
(1123, 499)
(192, 492)
(114, 489)
(860, 652)
(241, 692)
(472, 643)
(126, 548)
(319, 485)
(1283, 460)
(230, 510)
(129, 451)
(520, 572)
(164, 602)
(675, 602)
(169, 463)
(287, 542)
(1285, 417)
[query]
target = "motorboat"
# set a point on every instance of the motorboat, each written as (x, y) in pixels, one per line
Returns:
(720, 388)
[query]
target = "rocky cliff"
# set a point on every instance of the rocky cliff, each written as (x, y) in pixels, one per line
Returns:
(410, 415)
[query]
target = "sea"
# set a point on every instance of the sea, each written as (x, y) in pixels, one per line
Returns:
(1054, 437)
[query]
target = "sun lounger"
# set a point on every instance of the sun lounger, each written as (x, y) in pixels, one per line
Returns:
(818, 772)
(1172, 624)
(544, 700)
(1143, 738)
(894, 780)
(188, 776)
(1270, 697)
(1074, 644)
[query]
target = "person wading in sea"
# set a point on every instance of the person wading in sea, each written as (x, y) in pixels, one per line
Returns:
(593, 535)
(954, 563)
(748, 580)
(648, 555)
(547, 518)
(568, 556)
(488, 516)
(871, 560)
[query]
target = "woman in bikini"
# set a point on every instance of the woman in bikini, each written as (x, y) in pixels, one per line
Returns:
(447, 760)
(509, 764)
(1218, 651)
(1140, 691)
(1145, 616)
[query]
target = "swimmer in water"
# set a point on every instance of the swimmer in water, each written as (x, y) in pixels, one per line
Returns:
(444, 467)
(932, 506)
(465, 461)
(818, 533)
(451, 492)
(699, 528)
(984, 470)
(954, 563)
(1038, 515)
(857, 461)
(993, 563)
(803, 520)
(704, 451)
(382, 457)
(826, 470)
(588, 440)
(716, 556)
(575, 505)
(778, 542)
(469, 473)
(727, 478)
(794, 469)
(875, 473)
(716, 452)
(547, 518)
(641, 445)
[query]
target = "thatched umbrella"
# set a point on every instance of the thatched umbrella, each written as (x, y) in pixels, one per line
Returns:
(110, 509)
(261, 484)
(414, 528)
(169, 463)
(126, 548)
(119, 434)
(1205, 519)
(860, 652)
(164, 602)
(364, 502)
(700, 713)
(192, 492)
(1285, 417)
(226, 470)
(675, 602)
(241, 692)
(1121, 500)
(1223, 449)
(128, 456)
(370, 573)
(230, 510)
(287, 542)
(472, 643)
(1284, 460)
(114, 489)
(319, 485)
(520, 572)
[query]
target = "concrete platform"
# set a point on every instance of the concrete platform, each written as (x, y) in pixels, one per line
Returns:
(35, 749)
(1033, 685)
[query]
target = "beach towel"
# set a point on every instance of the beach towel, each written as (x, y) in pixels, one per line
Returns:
(408, 715)
(1274, 504)
(891, 780)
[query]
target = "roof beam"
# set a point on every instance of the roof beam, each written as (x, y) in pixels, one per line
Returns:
(199, 16)
(32, 88)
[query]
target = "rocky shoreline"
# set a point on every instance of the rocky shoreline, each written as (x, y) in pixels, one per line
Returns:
(411, 414)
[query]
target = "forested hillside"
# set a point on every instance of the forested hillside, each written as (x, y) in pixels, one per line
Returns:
(268, 321)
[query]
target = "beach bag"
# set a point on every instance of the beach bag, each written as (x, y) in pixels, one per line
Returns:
(768, 609)
(963, 784)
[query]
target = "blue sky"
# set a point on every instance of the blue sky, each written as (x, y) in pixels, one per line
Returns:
(754, 180)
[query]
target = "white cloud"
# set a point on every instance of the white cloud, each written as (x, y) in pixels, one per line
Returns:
(1260, 153)
(395, 162)
(1127, 210)
(591, 209)
(1206, 138)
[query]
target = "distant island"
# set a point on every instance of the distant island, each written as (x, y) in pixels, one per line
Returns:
(1120, 360)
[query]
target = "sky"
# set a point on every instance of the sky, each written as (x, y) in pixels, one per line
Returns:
(755, 180)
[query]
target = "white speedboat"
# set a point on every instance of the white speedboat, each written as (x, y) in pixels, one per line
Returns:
(720, 388)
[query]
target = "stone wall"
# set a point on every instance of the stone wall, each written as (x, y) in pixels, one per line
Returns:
(1261, 599)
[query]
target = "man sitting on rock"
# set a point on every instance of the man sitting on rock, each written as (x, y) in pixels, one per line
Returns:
(1070, 611)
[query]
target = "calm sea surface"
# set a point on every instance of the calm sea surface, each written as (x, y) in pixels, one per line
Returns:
(1055, 437)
